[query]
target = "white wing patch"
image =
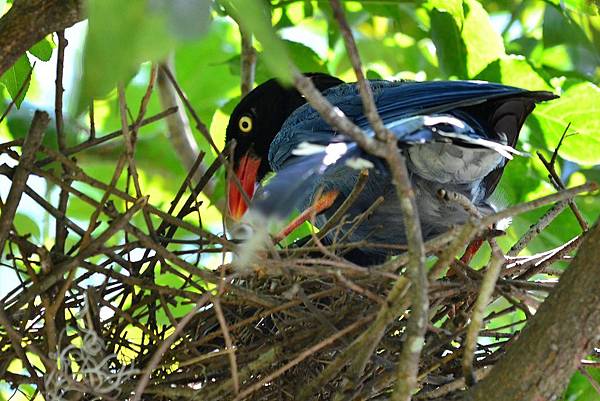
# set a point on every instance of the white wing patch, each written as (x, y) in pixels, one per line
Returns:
(308, 149)
(359, 163)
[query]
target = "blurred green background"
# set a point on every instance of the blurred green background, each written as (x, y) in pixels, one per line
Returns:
(550, 45)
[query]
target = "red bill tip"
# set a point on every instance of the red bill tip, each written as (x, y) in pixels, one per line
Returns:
(246, 173)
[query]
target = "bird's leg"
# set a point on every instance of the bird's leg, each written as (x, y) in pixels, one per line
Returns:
(471, 250)
(474, 246)
(324, 202)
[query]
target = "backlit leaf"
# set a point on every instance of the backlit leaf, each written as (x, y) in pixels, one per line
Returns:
(255, 15)
(42, 49)
(15, 77)
(580, 106)
(515, 71)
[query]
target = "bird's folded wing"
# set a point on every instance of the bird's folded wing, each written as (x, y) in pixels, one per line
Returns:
(395, 101)
(300, 174)
(416, 113)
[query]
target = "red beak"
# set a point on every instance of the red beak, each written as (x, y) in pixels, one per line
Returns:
(246, 173)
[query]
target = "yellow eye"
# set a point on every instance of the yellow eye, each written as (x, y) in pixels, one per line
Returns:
(245, 124)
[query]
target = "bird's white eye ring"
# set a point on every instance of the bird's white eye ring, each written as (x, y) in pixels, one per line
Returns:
(245, 124)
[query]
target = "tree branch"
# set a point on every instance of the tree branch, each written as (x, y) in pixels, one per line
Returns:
(30, 146)
(29, 21)
(552, 345)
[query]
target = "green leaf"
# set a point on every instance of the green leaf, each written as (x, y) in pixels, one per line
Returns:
(42, 49)
(483, 43)
(284, 21)
(26, 225)
(207, 80)
(256, 18)
(450, 47)
(14, 78)
(186, 20)
(559, 28)
(580, 106)
(308, 9)
(567, 46)
(465, 39)
(303, 57)
(519, 179)
(122, 35)
(580, 388)
(515, 71)
(582, 6)
(452, 7)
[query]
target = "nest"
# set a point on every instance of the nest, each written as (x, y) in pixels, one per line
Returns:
(94, 322)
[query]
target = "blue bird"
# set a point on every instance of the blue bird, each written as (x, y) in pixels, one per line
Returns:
(455, 135)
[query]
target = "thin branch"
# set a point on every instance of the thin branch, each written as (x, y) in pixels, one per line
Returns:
(303, 355)
(363, 177)
(555, 178)
(116, 134)
(61, 230)
(486, 290)
(537, 228)
(334, 116)
(164, 346)
(385, 148)
(130, 141)
(534, 204)
(180, 132)
(248, 61)
(574, 296)
(228, 344)
(16, 340)
(30, 146)
(199, 124)
(366, 94)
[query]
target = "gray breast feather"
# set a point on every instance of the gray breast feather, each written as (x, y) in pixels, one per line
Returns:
(450, 163)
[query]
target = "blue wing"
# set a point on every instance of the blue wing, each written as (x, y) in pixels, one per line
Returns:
(473, 115)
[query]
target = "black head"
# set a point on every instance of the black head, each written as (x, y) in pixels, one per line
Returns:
(254, 123)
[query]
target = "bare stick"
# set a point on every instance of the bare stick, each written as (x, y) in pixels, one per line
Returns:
(469, 230)
(61, 230)
(557, 181)
(555, 178)
(16, 340)
(360, 351)
(537, 228)
(228, 344)
(30, 146)
(164, 346)
(130, 141)
(366, 94)
(116, 134)
(302, 356)
(334, 116)
(485, 293)
(199, 124)
(386, 148)
(348, 202)
(534, 204)
(94, 247)
(454, 385)
(248, 61)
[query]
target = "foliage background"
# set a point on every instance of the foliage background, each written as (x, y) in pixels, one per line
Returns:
(551, 45)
